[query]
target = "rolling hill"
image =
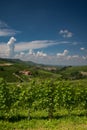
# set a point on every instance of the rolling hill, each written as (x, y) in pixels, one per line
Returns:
(10, 70)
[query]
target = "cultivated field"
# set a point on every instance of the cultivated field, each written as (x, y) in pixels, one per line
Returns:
(46, 100)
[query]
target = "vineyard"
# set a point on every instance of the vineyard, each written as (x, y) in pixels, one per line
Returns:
(48, 96)
(52, 98)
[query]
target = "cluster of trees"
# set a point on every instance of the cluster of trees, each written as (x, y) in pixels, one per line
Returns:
(73, 75)
(50, 95)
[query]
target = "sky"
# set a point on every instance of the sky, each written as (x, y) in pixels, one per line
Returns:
(50, 32)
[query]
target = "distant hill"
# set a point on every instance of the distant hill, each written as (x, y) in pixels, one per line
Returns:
(10, 71)
(4, 60)
(73, 72)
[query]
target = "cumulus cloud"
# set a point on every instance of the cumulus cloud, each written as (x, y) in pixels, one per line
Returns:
(63, 54)
(31, 52)
(38, 57)
(11, 41)
(40, 53)
(63, 58)
(73, 57)
(25, 46)
(11, 46)
(66, 59)
(65, 33)
(27, 51)
(54, 60)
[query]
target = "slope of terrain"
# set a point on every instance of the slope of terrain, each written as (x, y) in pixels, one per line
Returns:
(13, 70)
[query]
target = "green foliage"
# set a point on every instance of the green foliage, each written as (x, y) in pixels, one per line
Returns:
(50, 95)
(4, 98)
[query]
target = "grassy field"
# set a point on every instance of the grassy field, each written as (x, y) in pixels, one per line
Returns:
(39, 121)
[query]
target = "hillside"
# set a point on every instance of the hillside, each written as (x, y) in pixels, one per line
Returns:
(74, 72)
(12, 70)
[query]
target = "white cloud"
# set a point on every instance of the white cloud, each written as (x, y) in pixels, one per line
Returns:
(69, 57)
(34, 44)
(84, 57)
(11, 41)
(23, 46)
(7, 49)
(26, 51)
(22, 54)
(65, 58)
(31, 52)
(59, 59)
(63, 54)
(11, 47)
(82, 48)
(37, 44)
(40, 53)
(54, 60)
(65, 33)
(5, 30)
(3, 50)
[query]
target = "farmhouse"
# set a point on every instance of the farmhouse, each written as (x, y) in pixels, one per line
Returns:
(84, 73)
(25, 72)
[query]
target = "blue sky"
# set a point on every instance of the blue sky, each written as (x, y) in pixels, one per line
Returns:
(45, 31)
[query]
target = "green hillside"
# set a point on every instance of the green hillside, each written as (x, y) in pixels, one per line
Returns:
(73, 72)
(10, 70)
